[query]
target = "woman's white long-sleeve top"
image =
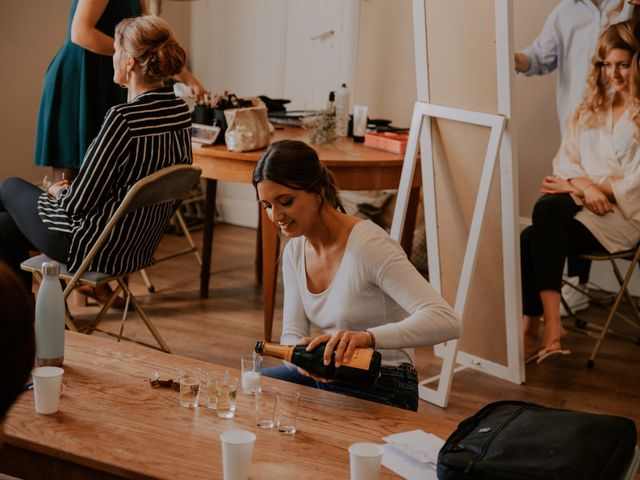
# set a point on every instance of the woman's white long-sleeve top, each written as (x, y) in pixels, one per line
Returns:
(375, 288)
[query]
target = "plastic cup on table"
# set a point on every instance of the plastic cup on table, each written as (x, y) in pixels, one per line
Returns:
(237, 449)
(47, 387)
(364, 460)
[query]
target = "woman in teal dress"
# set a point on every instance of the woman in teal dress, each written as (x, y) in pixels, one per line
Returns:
(78, 86)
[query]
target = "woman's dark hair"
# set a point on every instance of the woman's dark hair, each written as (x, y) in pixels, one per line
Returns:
(296, 165)
(17, 344)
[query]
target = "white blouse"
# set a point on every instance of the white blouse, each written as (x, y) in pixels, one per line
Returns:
(606, 153)
(375, 288)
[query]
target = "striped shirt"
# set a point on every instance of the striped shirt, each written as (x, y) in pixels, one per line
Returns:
(136, 139)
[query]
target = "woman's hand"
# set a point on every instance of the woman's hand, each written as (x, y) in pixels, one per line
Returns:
(552, 184)
(54, 189)
(302, 371)
(191, 81)
(596, 201)
(521, 62)
(343, 343)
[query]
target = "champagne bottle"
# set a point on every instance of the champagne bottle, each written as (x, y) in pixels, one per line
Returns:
(363, 369)
(49, 323)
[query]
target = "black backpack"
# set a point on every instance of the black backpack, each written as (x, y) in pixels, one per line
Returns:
(513, 440)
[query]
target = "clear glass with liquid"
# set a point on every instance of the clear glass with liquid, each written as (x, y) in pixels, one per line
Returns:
(189, 387)
(226, 387)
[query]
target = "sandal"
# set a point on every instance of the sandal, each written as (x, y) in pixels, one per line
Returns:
(552, 351)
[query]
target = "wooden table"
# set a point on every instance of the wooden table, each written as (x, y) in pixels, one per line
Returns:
(354, 166)
(112, 424)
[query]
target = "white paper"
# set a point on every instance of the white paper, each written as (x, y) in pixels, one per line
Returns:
(407, 467)
(413, 454)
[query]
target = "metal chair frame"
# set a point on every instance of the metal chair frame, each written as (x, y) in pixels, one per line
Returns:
(170, 184)
(599, 333)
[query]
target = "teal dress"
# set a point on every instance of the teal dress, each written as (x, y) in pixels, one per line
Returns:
(78, 90)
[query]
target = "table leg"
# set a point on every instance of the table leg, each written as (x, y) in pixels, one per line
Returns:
(258, 267)
(207, 238)
(270, 251)
(406, 238)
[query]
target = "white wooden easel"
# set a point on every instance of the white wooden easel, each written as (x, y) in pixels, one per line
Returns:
(499, 148)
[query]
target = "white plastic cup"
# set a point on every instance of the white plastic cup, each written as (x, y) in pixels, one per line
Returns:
(364, 460)
(47, 386)
(237, 448)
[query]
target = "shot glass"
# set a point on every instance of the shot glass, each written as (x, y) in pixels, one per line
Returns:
(189, 387)
(251, 370)
(287, 411)
(47, 386)
(226, 395)
(210, 390)
(266, 401)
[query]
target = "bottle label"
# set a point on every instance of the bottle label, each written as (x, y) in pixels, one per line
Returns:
(361, 359)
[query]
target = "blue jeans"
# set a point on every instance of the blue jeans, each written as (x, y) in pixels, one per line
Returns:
(396, 386)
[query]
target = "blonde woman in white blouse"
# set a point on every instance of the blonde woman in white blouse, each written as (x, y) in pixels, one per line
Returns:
(592, 201)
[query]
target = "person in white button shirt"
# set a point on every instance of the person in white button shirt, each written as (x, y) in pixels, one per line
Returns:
(592, 201)
(347, 279)
(566, 44)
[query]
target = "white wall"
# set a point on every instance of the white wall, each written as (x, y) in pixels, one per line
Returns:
(31, 32)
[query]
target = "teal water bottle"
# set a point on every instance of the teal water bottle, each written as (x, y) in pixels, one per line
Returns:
(49, 325)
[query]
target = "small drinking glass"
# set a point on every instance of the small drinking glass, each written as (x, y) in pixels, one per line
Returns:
(266, 401)
(251, 369)
(226, 395)
(189, 387)
(210, 390)
(287, 411)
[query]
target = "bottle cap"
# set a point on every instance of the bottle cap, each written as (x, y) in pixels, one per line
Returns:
(50, 268)
(332, 96)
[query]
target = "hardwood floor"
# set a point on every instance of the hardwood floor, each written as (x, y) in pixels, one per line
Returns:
(227, 325)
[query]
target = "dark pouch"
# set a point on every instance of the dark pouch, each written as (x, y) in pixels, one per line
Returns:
(513, 440)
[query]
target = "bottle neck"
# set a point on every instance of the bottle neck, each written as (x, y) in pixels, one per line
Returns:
(279, 351)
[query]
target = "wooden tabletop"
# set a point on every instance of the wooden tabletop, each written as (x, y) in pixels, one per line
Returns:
(355, 166)
(111, 420)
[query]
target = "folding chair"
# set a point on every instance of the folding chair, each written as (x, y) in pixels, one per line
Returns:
(170, 184)
(633, 255)
(181, 226)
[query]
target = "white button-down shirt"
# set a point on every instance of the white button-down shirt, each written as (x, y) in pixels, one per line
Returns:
(606, 153)
(568, 42)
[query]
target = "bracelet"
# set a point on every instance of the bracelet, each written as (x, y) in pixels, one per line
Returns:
(592, 184)
(373, 339)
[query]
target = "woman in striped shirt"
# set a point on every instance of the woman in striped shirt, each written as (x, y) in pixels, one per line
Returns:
(150, 132)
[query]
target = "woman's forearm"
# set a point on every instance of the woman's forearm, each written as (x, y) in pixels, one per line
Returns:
(582, 183)
(83, 27)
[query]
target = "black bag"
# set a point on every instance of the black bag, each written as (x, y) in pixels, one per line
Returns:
(513, 440)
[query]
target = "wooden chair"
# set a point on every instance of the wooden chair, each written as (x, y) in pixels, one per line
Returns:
(170, 184)
(599, 333)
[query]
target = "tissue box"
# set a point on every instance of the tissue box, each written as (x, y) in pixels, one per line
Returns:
(389, 141)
